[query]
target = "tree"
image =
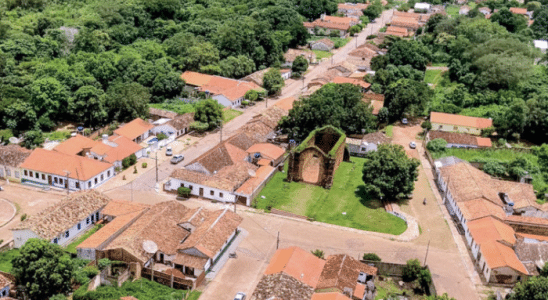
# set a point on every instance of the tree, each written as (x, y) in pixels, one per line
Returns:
(312, 9)
(389, 173)
(88, 107)
(424, 278)
(374, 10)
(183, 192)
(409, 52)
(318, 253)
(411, 270)
(237, 67)
(300, 65)
(494, 168)
(339, 105)
(43, 269)
(542, 153)
(209, 112)
(512, 22)
(371, 256)
(540, 23)
(544, 270)
(535, 288)
(127, 101)
(20, 116)
(33, 139)
(251, 95)
(436, 145)
(49, 97)
(513, 120)
(407, 97)
(273, 81)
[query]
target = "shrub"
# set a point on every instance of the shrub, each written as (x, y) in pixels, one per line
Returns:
(125, 163)
(183, 192)
(371, 36)
(426, 125)
(161, 136)
(245, 103)
(411, 270)
(354, 29)
(23, 217)
(501, 142)
(199, 126)
(318, 253)
(436, 145)
(494, 168)
(338, 44)
(371, 256)
(144, 165)
(132, 159)
(134, 169)
(487, 132)
(334, 33)
(424, 278)
(5, 135)
(251, 95)
(103, 263)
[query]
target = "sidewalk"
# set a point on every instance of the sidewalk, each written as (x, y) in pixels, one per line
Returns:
(224, 258)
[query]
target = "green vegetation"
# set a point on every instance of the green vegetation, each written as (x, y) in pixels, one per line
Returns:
(389, 130)
(6, 259)
(140, 289)
(60, 135)
(322, 54)
(347, 195)
(503, 155)
(230, 114)
(337, 40)
(433, 76)
(71, 248)
(388, 288)
(452, 10)
(177, 106)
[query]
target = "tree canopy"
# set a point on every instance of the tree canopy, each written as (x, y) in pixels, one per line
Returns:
(534, 288)
(339, 105)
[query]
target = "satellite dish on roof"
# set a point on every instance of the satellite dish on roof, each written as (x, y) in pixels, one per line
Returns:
(251, 173)
(150, 247)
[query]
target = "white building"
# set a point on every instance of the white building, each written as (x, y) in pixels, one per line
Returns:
(61, 170)
(64, 221)
(423, 7)
(541, 44)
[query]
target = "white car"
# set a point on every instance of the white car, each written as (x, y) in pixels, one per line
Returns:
(169, 151)
(240, 296)
(177, 158)
(412, 145)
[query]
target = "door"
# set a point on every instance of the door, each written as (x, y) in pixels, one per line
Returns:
(201, 192)
(49, 179)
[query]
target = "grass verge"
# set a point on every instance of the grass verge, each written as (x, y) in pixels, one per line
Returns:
(452, 10)
(389, 130)
(322, 54)
(345, 204)
(71, 248)
(230, 114)
(6, 259)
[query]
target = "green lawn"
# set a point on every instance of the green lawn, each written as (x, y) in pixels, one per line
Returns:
(452, 10)
(439, 65)
(389, 130)
(472, 5)
(6, 258)
(433, 76)
(389, 288)
(347, 195)
(230, 114)
(322, 54)
(60, 135)
(71, 248)
(503, 155)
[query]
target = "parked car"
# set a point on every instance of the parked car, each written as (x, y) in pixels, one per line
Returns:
(169, 151)
(412, 145)
(404, 121)
(240, 296)
(177, 159)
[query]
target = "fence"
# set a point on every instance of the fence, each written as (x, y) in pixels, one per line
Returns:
(171, 280)
(395, 270)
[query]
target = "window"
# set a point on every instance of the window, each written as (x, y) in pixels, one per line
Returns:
(221, 195)
(190, 187)
(108, 173)
(77, 184)
(60, 180)
(95, 180)
(79, 226)
(43, 176)
(55, 179)
(212, 193)
(89, 184)
(87, 220)
(92, 218)
(26, 173)
(363, 149)
(102, 178)
(97, 216)
(182, 185)
(30, 173)
(67, 234)
(55, 241)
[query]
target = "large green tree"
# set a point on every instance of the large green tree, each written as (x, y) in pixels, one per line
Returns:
(273, 81)
(44, 269)
(209, 112)
(127, 101)
(535, 288)
(389, 173)
(88, 106)
(407, 97)
(300, 65)
(512, 22)
(409, 52)
(339, 105)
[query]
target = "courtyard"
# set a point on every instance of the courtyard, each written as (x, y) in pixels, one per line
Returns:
(345, 204)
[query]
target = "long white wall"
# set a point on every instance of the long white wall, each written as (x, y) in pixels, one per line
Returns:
(41, 178)
(208, 192)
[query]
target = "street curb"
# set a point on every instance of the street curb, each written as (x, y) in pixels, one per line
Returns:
(14, 212)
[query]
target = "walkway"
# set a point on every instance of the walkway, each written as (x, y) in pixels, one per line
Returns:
(225, 257)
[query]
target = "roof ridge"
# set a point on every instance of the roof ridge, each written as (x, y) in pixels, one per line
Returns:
(195, 213)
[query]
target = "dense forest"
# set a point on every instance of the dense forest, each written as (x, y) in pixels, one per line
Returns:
(93, 62)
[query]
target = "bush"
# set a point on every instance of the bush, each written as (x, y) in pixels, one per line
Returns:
(134, 169)
(371, 256)
(354, 29)
(334, 33)
(494, 168)
(436, 145)
(338, 44)
(132, 159)
(144, 165)
(487, 132)
(199, 126)
(501, 142)
(161, 136)
(183, 192)
(318, 253)
(125, 163)
(245, 103)
(5, 135)
(425, 279)
(426, 125)
(411, 270)
(371, 36)
(251, 95)
(23, 217)
(103, 263)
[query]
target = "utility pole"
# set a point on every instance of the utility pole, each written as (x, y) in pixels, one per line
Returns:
(156, 166)
(278, 241)
(427, 248)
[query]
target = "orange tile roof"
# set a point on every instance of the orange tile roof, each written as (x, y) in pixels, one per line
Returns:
(117, 208)
(407, 15)
(323, 24)
(527, 220)
(498, 255)
(263, 162)
(252, 183)
(109, 231)
(377, 105)
(129, 298)
(354, 81)
(518, 10)
(75, 145)
(491, 229)
(405, 22)
(339, 20)
(359, 291)
(124, 148)
(230, 88)
(397, 31)
(195, 79)
(458, 120)
(479, 208)
(297, 263)
(329, 296)
(286, 103)
(341, 271)
(134, 128)
(53, 162)
(533, 236)
(484, 142)
(266, 149)
(352, 6)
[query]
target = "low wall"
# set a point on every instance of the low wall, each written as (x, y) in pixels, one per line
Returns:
(170, 280)
(287, 214)
(395, 270)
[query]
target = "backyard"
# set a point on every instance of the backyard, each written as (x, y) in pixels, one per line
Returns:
(6, 259)
(71, 248)
(322, 54)
(345, 204)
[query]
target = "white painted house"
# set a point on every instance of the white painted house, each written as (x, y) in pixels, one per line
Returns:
(63, 222)
(66, 171)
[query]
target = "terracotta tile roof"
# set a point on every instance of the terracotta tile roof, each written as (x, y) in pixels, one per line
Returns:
(232, 89)
(373, 96)
(13, 155)
(53, 162)
(195, 79)
(263, 162)
(527, 220)
(339, 20)
(268, 150)
(119, 148)
(358, 82)
(458, 120)
(484, 142)
(358, 75)
(397, 31)
(162, 113)
(522, 194)
(286, 103)
(323, 24)
(325, 41)
(364, 52)
(359, 291)
(291, 54)
(459, 138)
(239, 90)
(345, 67)
(543, 238)
(256, 77)
(498, 255)
(117, 208)
(190, 261)
(62, 216)
(111, 230)
(519, 11)
(134, 128)
(491, 229)
(329, 296)
(182, 121)
(160, 225)
(254, 182)
(297, 263)
(281, 286)
(406, 15)
(75, 145)
(479, 208)
(210, 236)
(341, 271)
(405, 22)
(376, 137)
(129, 298)
(352, 6)
(532, 252)
(235, 175)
